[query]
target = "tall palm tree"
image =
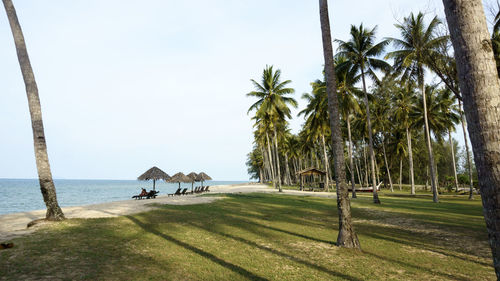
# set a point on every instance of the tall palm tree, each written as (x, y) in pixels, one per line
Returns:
(347, 236)
(361, 53)
(273, 101)
(346, 80)
(403, 103)
(418, 44)
(47, 186)
(479, 85)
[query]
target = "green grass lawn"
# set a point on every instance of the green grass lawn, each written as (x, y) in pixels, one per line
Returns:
(263, 237)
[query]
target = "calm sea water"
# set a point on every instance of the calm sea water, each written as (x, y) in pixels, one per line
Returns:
(21, 195)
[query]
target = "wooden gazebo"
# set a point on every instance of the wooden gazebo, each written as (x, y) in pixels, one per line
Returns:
(311, 172)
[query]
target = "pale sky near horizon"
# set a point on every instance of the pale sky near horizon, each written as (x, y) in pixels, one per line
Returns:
(127, 85)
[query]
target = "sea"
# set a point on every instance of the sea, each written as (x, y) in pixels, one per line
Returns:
(23, 195)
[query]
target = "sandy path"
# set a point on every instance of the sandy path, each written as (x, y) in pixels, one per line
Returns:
(13, 225)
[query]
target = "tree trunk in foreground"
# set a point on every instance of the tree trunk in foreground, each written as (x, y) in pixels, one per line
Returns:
(47, 187)
(351, 164)
(400, 173)
(469, 162)
(480, 86)
(453, 160)
(376, 200)
(347, 236)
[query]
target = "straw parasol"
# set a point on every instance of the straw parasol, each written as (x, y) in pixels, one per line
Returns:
(154, 174)
(203, 177)
(180, 177)
(193, 177)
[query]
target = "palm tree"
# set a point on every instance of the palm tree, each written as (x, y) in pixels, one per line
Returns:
(47, 186)
(479, 85)
(361, 53)
(403, 103)
(273, 103)
(346, 237)
(348, 104)
(316, 114)
(419, 43)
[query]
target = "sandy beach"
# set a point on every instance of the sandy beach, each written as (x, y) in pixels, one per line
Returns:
(13, 225)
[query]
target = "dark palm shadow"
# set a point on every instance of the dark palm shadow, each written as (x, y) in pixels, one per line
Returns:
(450, 276)
(230, 266)
(281, 254)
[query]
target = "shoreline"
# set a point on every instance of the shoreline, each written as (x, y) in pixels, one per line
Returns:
(15, 224)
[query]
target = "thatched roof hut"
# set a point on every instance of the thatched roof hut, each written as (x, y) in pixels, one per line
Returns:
(312, 173)
(203, 177)
(154, 174)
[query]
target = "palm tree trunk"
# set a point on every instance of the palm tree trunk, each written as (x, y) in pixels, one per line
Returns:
(47, 186)
(435, 196)
(410, 161)
(347, 236)
(453, 160)
(287, 170)
(277, 159)
(387, 165)
(327, 170)
(366, 165)
(351, 164)
(400, 173)
(359, 175)
(271, 160)
(376, 200)
(469, 162)
(479, 85)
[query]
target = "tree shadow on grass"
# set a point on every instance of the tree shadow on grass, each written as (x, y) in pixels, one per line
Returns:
(281, 254)
(213, 258)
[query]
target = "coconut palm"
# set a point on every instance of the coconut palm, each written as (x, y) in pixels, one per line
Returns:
(346, 79)
(316, 114)
(361, 53)
(479, 85)
(47, 186)
(273, 102)
(347, 236)
(418, 44)
(403, 102)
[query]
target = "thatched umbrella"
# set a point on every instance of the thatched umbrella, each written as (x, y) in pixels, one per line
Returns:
(203, 177)
(180, 177)
(154, 174)
(193, 177)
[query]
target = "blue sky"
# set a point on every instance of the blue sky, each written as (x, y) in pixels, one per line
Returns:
(126, 85)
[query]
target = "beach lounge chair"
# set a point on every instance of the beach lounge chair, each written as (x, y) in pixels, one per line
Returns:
(206, 188)
(152, 194)
(197, 189)
(183, 191)
(178, 192)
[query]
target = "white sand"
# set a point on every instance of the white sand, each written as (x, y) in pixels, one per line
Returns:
(13, 225)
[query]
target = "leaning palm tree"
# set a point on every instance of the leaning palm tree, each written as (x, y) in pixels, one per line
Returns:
(47, 187)
(419, 44)
(273, 102)
(347, 236)
(361, 53)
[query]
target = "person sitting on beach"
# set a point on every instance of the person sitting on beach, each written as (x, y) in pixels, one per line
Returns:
(143, 192)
